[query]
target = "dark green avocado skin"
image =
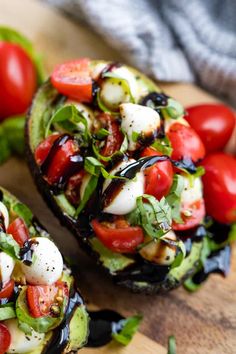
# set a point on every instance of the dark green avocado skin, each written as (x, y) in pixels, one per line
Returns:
(167, 284)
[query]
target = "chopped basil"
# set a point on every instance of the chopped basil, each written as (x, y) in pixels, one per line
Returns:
(152, 215)
(9, 245)
(174, 197)
(173, 109)
(89, 190)
(9, 35)
(181, 253)
(129, 327)
(163, 145)
(7, 311)
(23, 212)
(101, 134)
(135, 136)
(95, 168)
(171, 345)
(232, 233)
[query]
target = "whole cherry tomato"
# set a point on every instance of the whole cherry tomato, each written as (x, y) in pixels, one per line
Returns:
(219, 183)
(73, 79)
(18, 80)
(185, 143)
(214, 123)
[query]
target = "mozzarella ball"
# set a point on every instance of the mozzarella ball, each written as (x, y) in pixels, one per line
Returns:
(169, 122)
(47, 264)
(21, 342)
(192, 191)
(7, 264)
(137, 119)
(160, 252)
(125, 201)
(4, 214)
(85, 111)
(113, 94)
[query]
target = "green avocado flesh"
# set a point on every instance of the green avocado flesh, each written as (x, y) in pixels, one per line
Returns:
(46, 102)
(79, 321)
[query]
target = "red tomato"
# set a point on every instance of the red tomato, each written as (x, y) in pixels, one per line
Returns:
(118, 236)
(185, 143)
(219, 184)
(7, 291)
(19, 231)
(115, 138)
(196, 214)
(159, 177)
(214, 123)
(73, 79)
(73, 187)
(44, 147)
(18, 80)
(40, 298)
(5, 339)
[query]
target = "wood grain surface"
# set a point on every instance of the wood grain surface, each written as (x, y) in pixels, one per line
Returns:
(204, 322)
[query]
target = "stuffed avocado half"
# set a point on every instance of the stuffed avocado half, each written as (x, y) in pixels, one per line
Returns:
(41, 309)
(117, 162)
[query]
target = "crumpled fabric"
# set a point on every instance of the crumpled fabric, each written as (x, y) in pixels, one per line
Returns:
(170, 40)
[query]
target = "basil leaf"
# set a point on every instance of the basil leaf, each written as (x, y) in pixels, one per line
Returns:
(174, 197)
(163, 145)
(10, 35)
(9, 245)
(173, 109)
(232, 233)
(7, 311)
(180, 255)
(90, 188)
(23, 212)
(171, 345)
(135, 136)
(101, 134)
(92, 165)
(129, 327)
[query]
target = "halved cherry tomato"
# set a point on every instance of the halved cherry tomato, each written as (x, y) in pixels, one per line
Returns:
(7, 291)
(19, 231)
(18, 80)
(185, 143)
(219, 185)
(40, 298)
(214, 123)
(44, 147)
(159, 177)
(73, 79)
(73, 187)
(192, 215)
(115, 138)
(118, 236)
(5, 339)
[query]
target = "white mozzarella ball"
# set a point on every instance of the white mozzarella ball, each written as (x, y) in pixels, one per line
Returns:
(4, 214)
(47, 264)
(21, 342)
(85, 111)
(113, 94)
(125, 201)
(169, 122)
(7, 264)
(137, 119)
(160, 252)
(192, 190)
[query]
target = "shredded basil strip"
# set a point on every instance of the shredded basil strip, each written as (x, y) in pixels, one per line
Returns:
(129, 327)
(95, 168)
(9, 245)
(171, 345)
(174, 197)
(163, 145)
(173, 110)
(89, 190)
(123, 149)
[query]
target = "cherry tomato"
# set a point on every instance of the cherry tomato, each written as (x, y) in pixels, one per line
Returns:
(73, 187)
(185, 143)
(214, 123)
(115, 138)
(219, 184)
(19, 231)
(5, 339)
(18, 80)
(44, 147)
(73, 79)
(196, 213)
(159, 177)
(118, 236)
(7, 291)
(40, 298)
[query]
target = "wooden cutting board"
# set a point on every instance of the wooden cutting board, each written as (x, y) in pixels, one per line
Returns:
(204, 322)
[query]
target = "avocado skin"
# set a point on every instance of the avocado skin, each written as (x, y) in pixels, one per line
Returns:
(66, 221)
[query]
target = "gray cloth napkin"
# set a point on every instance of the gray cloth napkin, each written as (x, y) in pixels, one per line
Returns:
(171, 40)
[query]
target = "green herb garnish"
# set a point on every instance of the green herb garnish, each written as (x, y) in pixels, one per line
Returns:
(129, 327)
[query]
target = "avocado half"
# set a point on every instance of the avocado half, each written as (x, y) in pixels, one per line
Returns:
(138, 275)
(72, 333)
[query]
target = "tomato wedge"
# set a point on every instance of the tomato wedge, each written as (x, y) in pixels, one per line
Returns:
(193, 217)
(8, 289)
(115, 137)
(41, 298)
(44, 147)
(159, 177)
(5, 339)
(19, 231)
(73, 79)
(185, 143)
(118, 236)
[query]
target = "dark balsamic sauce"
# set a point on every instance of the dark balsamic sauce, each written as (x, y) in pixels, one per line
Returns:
(155, 100)
(26, 252)
(102, 325)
